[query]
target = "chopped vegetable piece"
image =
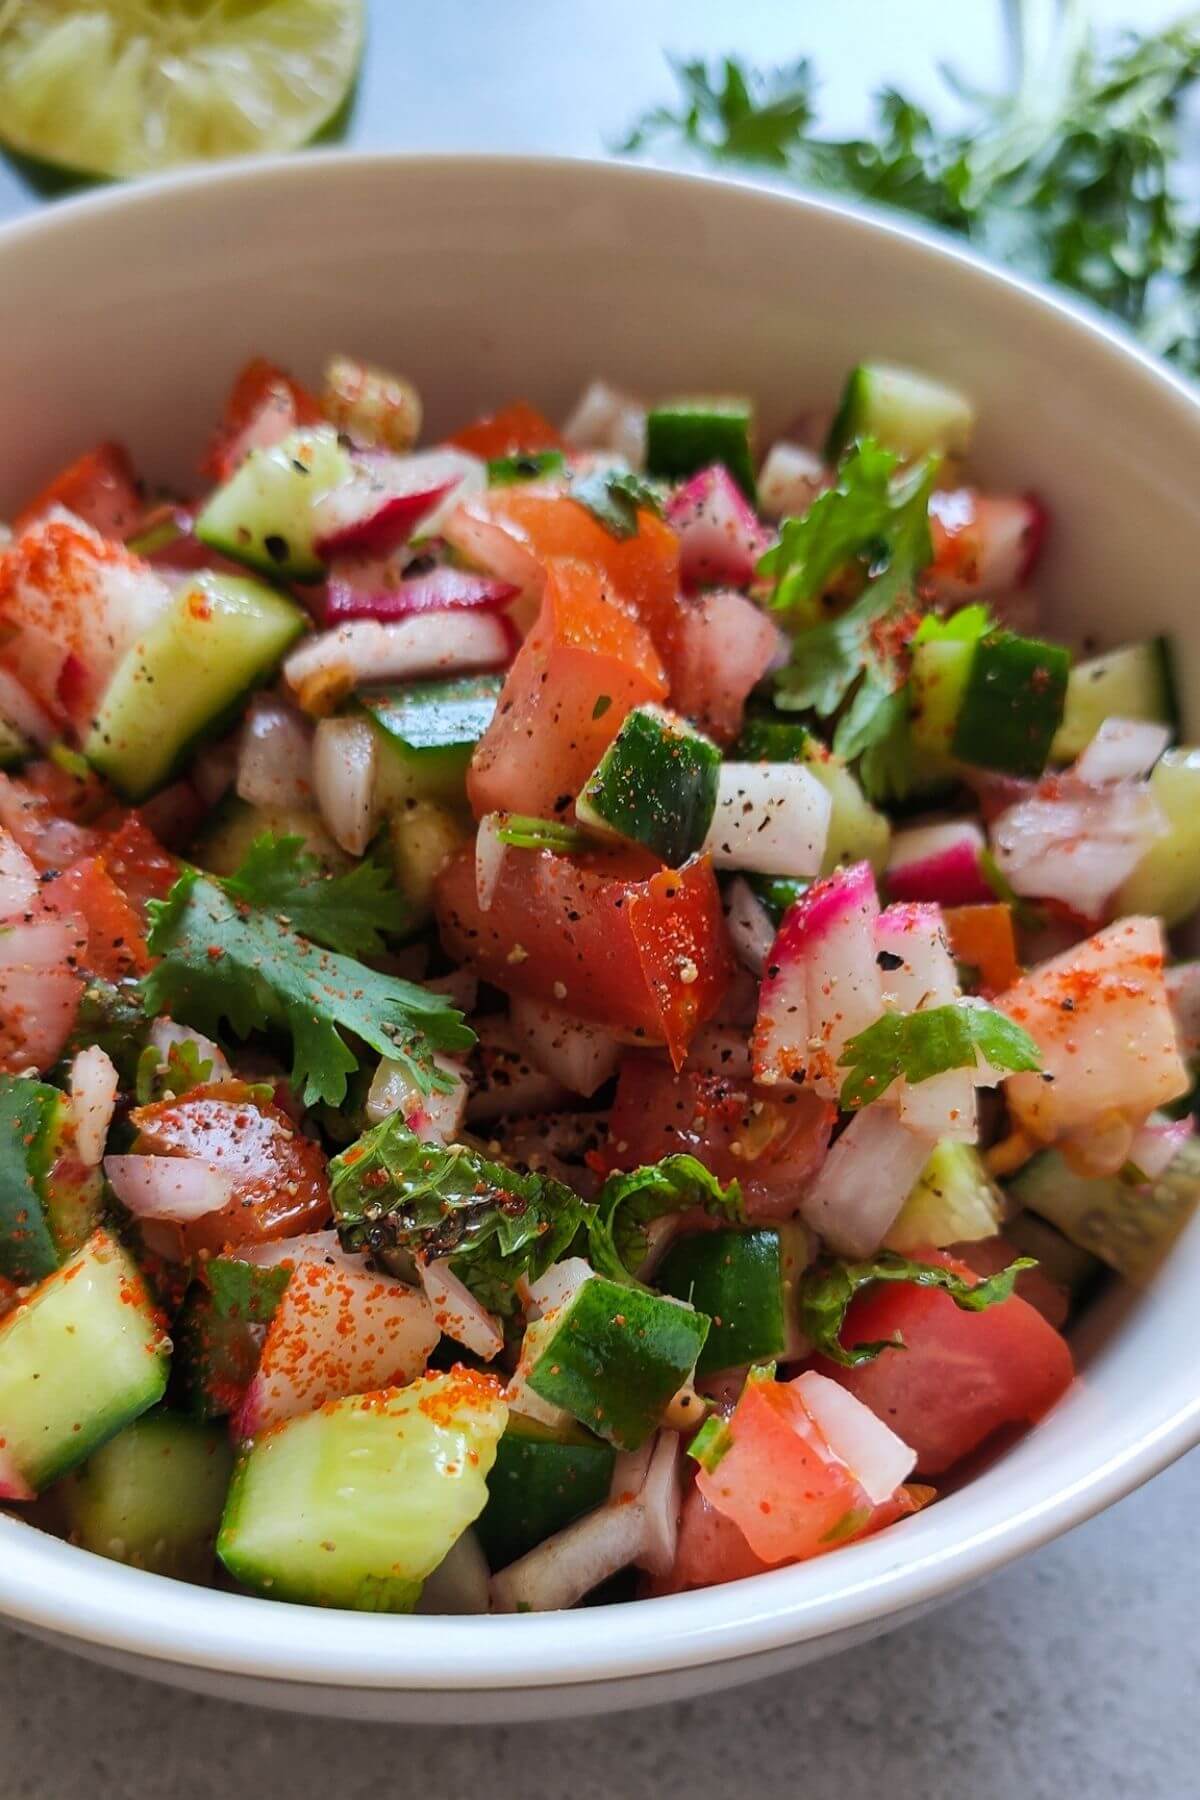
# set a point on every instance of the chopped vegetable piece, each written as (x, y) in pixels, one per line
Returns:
(656, 785)
(736, 1277)
(687, 435)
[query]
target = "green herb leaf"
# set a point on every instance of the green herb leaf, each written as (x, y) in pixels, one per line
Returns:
(919, 1045)
(966, 626)
(525, 465)
(521, 832)
(848, 521)
(347, 912)
(392, 1192)
(225, 963)
(613, 497)
(183, 1070)
(626, 1204)
(826, 1289)
(711, 1443)
(246, 1291)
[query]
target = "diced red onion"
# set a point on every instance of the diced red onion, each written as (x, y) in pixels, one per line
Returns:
(457, 1312)
(1183, 991)
(1158, 1143)
(941, 862)
(471, 483)
(458, 1586)
(879, 1460)
(176, 1188)
(575, 1052)
(789, 481)
(93, 1089)
(344, 755)
(39, 988)
(274, 757)
(13, 1485)
(984, 544)
(750, 929)
(363, 591)
(1122, 750)
(720, 537)
(1074, 843)
(383, 502)
(164, 1034)
(490, 853)
(821, 985)
(19, 709)
(606, 419)
(19, 885)
(865, 1180)
(771, 819)
(432, 643)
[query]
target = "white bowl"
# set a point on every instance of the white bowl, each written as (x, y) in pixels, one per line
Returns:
(125, 315)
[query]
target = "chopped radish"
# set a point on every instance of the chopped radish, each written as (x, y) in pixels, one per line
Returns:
(727, 645)
(877, 1458)
(93, 1089)
(489, 545)
(456, 1311)
(19, 709)
(369, 591)
(771, 818)
(720, 538)
(865, 1180)
(176, 1188)
(1122, 750)
(344, 756)
(941, 862)
(19, 885)
(325, 668)
(274, 757)
(579, 1054)
(983, 544)
(790, 480)
(384, 501)
(918, 972)
(606, 419)
(13, 1485)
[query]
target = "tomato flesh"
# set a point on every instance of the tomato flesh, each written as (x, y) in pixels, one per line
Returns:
(961, 1375)
(504, 433)
(116, 946)
(138, 864)
(100, 488)
(264, 405)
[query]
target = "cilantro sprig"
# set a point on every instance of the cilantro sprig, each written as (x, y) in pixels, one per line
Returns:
(347, 912)
(226, 963)
(613, 497)
(826, 1289)
(920, 1045)
(627, 1203)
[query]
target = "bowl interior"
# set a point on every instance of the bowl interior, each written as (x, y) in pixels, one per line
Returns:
(484, 280)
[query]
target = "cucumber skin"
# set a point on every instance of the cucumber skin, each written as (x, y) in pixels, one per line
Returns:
(736, 1277)
(686, 436)
(1129, 1227)
(540, 1483)
(230, 508)
(615, 1357)
(1081, 721)
(13, 748)
(656, 785)
(28, 1252)
(1012, 704)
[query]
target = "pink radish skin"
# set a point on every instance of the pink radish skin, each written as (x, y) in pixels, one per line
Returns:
(373, 520)
(720, 538)
(821, 985)
(13, 1485)
(940, 863)
(349, 595)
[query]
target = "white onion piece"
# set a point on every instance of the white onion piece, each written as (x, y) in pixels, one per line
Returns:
(13, 1485)
(435, 1117)
(879, 1459)
(771, 819)
(580, 1055)
(456, 641)
(459, 1585)
(559, 1571)
(1122, 750)
(344, 757)
(865, 1180)
(750, 929)
(490, 853)
(789, 481)
(509, 1083)
(274, 758)
(1074, 843)
(18, 878)
(471, 480)
(19, 709)
(1183, 991)
(558, 1285)
(660, 1501)
(927, 976)
(176, 1188)
(93, 1087)
(456, 1311)
(1158, 1143)
(604, 418)
(165, 1033)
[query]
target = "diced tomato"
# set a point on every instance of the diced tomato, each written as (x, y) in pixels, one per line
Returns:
(116, 947)
(138, 864)
(100, 488)
(983, 544)
(982, 938)
(579, 672)
(609, 937)
(516, 427)
(769, 1141)
(9, 1294)
(961, 1375)
(265, 404)
(36, 819)
(282, 1184)
(989, 1255)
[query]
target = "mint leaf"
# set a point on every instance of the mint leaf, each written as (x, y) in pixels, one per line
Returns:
(626, 1204)
(826, 1289)
(392, 1192)
(222, 963)
(613, 497)
(347, 912)
(849, 520)
(919, 1045)
(246, 1291)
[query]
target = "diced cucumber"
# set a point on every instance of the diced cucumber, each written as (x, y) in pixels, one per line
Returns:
(1166, 881)
(263, 515)
(541, 1481)
(940, 668)
(153, 1495)
(955, 1202)
(906, 412)
(356, 1504)
(683, 436)
(221, 636)
(656, 785)
(1135, 682)
(72, 1195)
(615, 1358)
(27, 1248)
(736, 1277)
(1012, 705)
(858, 832)
(426, 732)
(524, 465)
(775, 893)
(1128, 1225)
(14, 747)
(423, 836)
(1060, 1261)
(226, 839)
(82, 1357)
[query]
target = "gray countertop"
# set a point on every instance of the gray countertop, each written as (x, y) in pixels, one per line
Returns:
(1075, 1672)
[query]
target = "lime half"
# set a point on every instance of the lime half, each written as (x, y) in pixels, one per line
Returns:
(133, 86)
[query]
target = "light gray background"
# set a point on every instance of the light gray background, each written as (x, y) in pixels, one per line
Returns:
(1075, 1673)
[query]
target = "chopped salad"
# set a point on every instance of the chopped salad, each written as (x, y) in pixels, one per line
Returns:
(579, 1007)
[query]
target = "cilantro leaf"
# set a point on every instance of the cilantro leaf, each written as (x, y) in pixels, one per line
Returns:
(182, 1070)
(522, 832)
(392, 1192)
(626, 1204)
(826, 1289)
(848, 520)
(876, 729)
(919, 1045)
(347, 912)
(966, 626)
(225, 963)
(613, 497)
